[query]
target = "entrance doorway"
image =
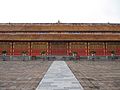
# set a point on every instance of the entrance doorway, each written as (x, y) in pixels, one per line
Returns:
(58, 48)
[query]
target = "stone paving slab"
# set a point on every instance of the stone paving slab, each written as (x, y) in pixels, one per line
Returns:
(59, 77)
(97, 75)
(22, 75)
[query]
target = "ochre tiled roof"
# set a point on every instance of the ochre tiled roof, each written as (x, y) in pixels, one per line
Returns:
(5, 27)
(59, 37)
(58, 27)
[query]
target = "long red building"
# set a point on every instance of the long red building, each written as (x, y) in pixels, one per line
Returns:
(60, 38)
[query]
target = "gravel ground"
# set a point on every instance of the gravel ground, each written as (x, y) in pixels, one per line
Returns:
(22, 75)
(97, 75)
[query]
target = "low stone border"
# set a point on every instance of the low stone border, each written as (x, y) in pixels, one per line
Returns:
(24, 58)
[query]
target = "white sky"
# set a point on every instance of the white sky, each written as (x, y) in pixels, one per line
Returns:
(67, 11)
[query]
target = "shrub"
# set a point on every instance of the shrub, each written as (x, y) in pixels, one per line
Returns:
(92, 52)
(43, 52)
(74, 52)
(4, 52)
(24, 52)
(112, 52)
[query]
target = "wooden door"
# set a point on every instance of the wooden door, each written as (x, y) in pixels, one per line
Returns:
(19, 47)
(7, 46)
(98, 47)
(79, 47)
(38, 47)
(58, 48)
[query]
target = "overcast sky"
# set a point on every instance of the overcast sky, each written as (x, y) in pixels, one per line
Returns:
(67, 11)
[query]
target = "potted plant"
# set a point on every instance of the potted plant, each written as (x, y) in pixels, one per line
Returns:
(113, 54)
(74, 53)
(92, 53)
(4, 52)
(43, 53)
(24, 53)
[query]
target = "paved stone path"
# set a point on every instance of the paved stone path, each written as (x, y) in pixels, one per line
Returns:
(59, 77)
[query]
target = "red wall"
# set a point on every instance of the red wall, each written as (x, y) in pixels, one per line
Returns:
(60, 48)
(19, 47)
(6, 46)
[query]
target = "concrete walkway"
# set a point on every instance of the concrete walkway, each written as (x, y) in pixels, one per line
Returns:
(59, 77)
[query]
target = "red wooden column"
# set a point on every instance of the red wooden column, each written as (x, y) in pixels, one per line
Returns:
(47, 48)
(87, 49)
(105, 48)
(30, 48)
(68, 48)
(11, 48)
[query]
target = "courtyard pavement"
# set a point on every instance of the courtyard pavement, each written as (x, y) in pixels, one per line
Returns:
(59, 77)
(97, 75)
(22, 75)
(92, 75)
